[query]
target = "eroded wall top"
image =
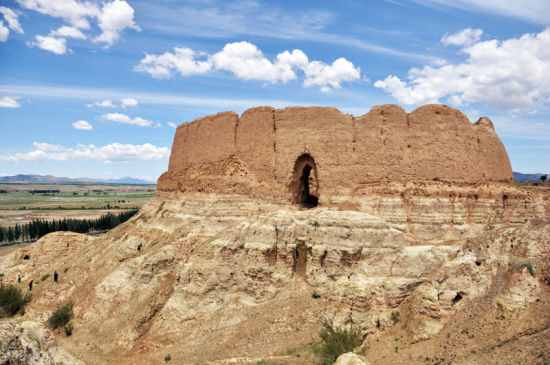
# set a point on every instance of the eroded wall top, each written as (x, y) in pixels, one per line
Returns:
(224, 153)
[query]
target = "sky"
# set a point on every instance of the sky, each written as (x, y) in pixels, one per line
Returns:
(96, 88)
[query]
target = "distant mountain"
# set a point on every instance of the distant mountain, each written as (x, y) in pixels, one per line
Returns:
(128, 181)
(50, 179)
(519, 177)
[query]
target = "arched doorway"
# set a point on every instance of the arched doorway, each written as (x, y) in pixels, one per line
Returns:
(305, 185)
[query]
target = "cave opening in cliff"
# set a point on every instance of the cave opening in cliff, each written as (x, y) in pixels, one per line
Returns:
(305, 185)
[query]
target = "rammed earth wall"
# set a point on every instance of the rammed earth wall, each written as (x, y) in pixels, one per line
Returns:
(434, 142)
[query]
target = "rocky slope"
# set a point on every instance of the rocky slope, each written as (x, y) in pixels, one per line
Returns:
(229, 276)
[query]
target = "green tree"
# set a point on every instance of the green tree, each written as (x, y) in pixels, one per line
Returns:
(543, 178)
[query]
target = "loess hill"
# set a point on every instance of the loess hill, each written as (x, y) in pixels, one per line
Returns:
(386, 213)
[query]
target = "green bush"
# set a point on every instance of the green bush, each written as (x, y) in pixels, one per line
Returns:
(335, 342)
(315, 295)
(68, 329)
(395, 317)
(12, 300)
(43, 278)
(529, 267)
(61, 315)
(167, 358)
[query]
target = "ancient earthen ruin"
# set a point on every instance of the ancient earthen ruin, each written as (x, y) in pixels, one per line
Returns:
(304, 154)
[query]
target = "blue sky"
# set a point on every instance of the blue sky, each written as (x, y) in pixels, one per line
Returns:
(96, 88)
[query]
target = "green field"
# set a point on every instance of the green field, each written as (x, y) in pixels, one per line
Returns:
(20, 203)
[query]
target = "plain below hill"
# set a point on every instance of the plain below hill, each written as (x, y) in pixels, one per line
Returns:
(50, 179)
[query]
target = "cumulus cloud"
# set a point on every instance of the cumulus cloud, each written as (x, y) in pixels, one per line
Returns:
(72, 11)
(513, 75)
(320, 74)
(182, 61)
(82, 125)
(68, 32)
(12, 18)
(109, 153)
(122, 118)
(464, 38)
(112, 18)
(50, 44)
(128, 102)
(173, 125)
(8, 102)
(247, 62)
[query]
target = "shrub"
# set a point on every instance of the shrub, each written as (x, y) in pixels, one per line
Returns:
(61, 315)
(335, 342)
(43, 278)
(12, 299)
(167, 358)
(395, 317)
(528, 266)
(68, 329)
(315, 295)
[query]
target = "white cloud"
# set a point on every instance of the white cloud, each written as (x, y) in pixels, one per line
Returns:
(158, 125)
(82, 125)
(72, 11)
(173, 125)
(68, 32)
(513, 75)
(12, 19)
(4, 32)
(8, 102)
(320, 74)
(128, 102)
(182, 61)
(122, 118)
(51, 44)
(464, 38)
(104, 104)
(247, 62)
(113, 19)
(109, 153)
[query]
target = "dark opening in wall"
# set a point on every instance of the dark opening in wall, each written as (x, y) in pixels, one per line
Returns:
(457, 298)
(26, 257)
(304, 186)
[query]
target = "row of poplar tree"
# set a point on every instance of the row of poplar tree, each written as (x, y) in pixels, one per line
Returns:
(38, 227)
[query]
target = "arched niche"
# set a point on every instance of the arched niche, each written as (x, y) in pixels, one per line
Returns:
(305, 184)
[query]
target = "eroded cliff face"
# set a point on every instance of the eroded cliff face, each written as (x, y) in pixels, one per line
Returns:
(230, 276)
(261, 148)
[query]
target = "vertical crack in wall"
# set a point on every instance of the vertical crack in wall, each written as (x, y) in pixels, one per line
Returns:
(235, 136)
(274, 139)
(353, 134)
(300, 259)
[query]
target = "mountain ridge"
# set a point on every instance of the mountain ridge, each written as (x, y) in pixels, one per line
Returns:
(50, 179)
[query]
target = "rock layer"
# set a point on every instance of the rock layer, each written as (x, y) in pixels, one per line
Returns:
(256, 154)
(223, 276)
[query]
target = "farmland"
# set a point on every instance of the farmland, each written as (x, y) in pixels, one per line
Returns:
(21, 203)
